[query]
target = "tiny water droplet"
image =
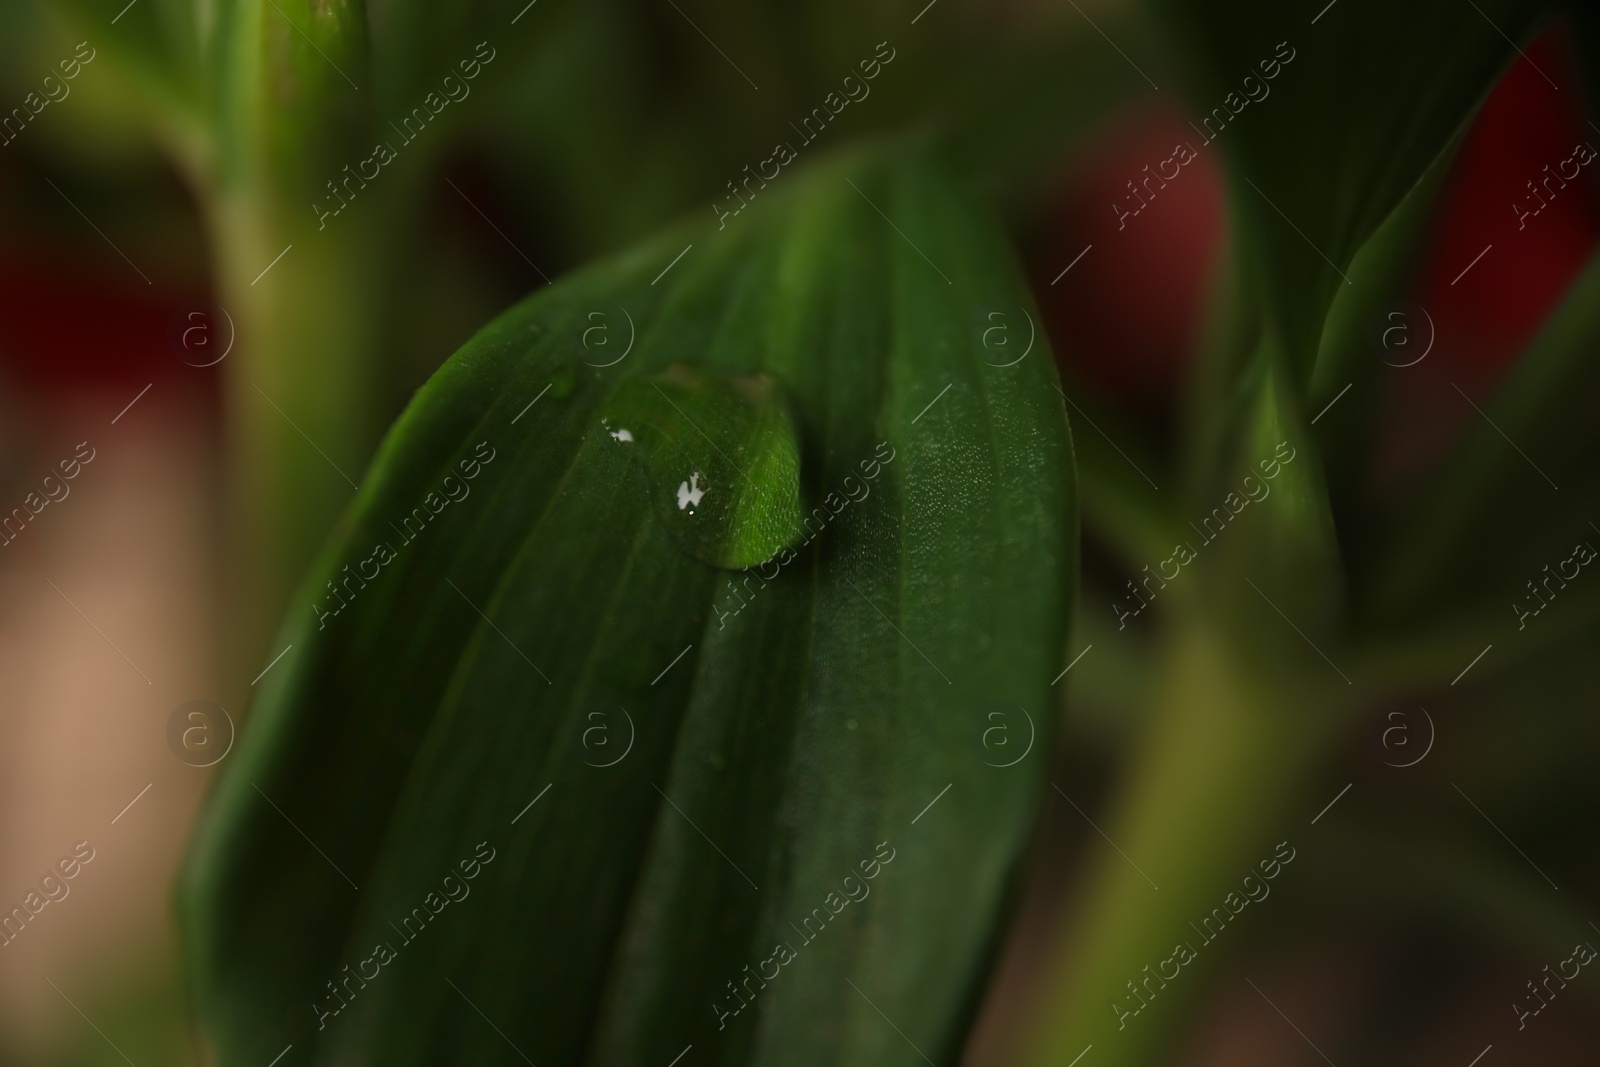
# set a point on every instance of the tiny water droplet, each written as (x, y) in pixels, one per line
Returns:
(721, 459)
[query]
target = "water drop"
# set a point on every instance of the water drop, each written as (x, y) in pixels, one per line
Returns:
(721, 460)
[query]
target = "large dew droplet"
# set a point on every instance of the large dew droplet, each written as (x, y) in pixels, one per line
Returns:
(721, 457)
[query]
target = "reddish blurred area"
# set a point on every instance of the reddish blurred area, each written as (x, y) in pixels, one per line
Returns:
(1486, 311)
(1126, 316)
(111, 615)
(1490, 275)
(75, 315)
(64, 327)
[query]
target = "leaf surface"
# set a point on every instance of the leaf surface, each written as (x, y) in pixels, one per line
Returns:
(578, 783)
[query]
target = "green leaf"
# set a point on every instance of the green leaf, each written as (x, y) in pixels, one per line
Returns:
(1335, 127)
(1330, 118)
(1283, 562)
(658, 770)
(152, 50)
(1512, 499)
(1346, 359)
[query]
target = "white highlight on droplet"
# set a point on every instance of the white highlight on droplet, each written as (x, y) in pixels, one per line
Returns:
(622, 435)
(690, 492)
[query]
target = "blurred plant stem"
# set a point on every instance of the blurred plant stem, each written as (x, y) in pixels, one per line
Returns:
(305, 301)
(1227, 747)
(301, 393)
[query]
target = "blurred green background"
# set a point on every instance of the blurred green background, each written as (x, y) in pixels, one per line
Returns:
(128, 203)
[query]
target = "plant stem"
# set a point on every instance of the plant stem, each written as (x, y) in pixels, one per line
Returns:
(1228, 745)
(301, 394)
